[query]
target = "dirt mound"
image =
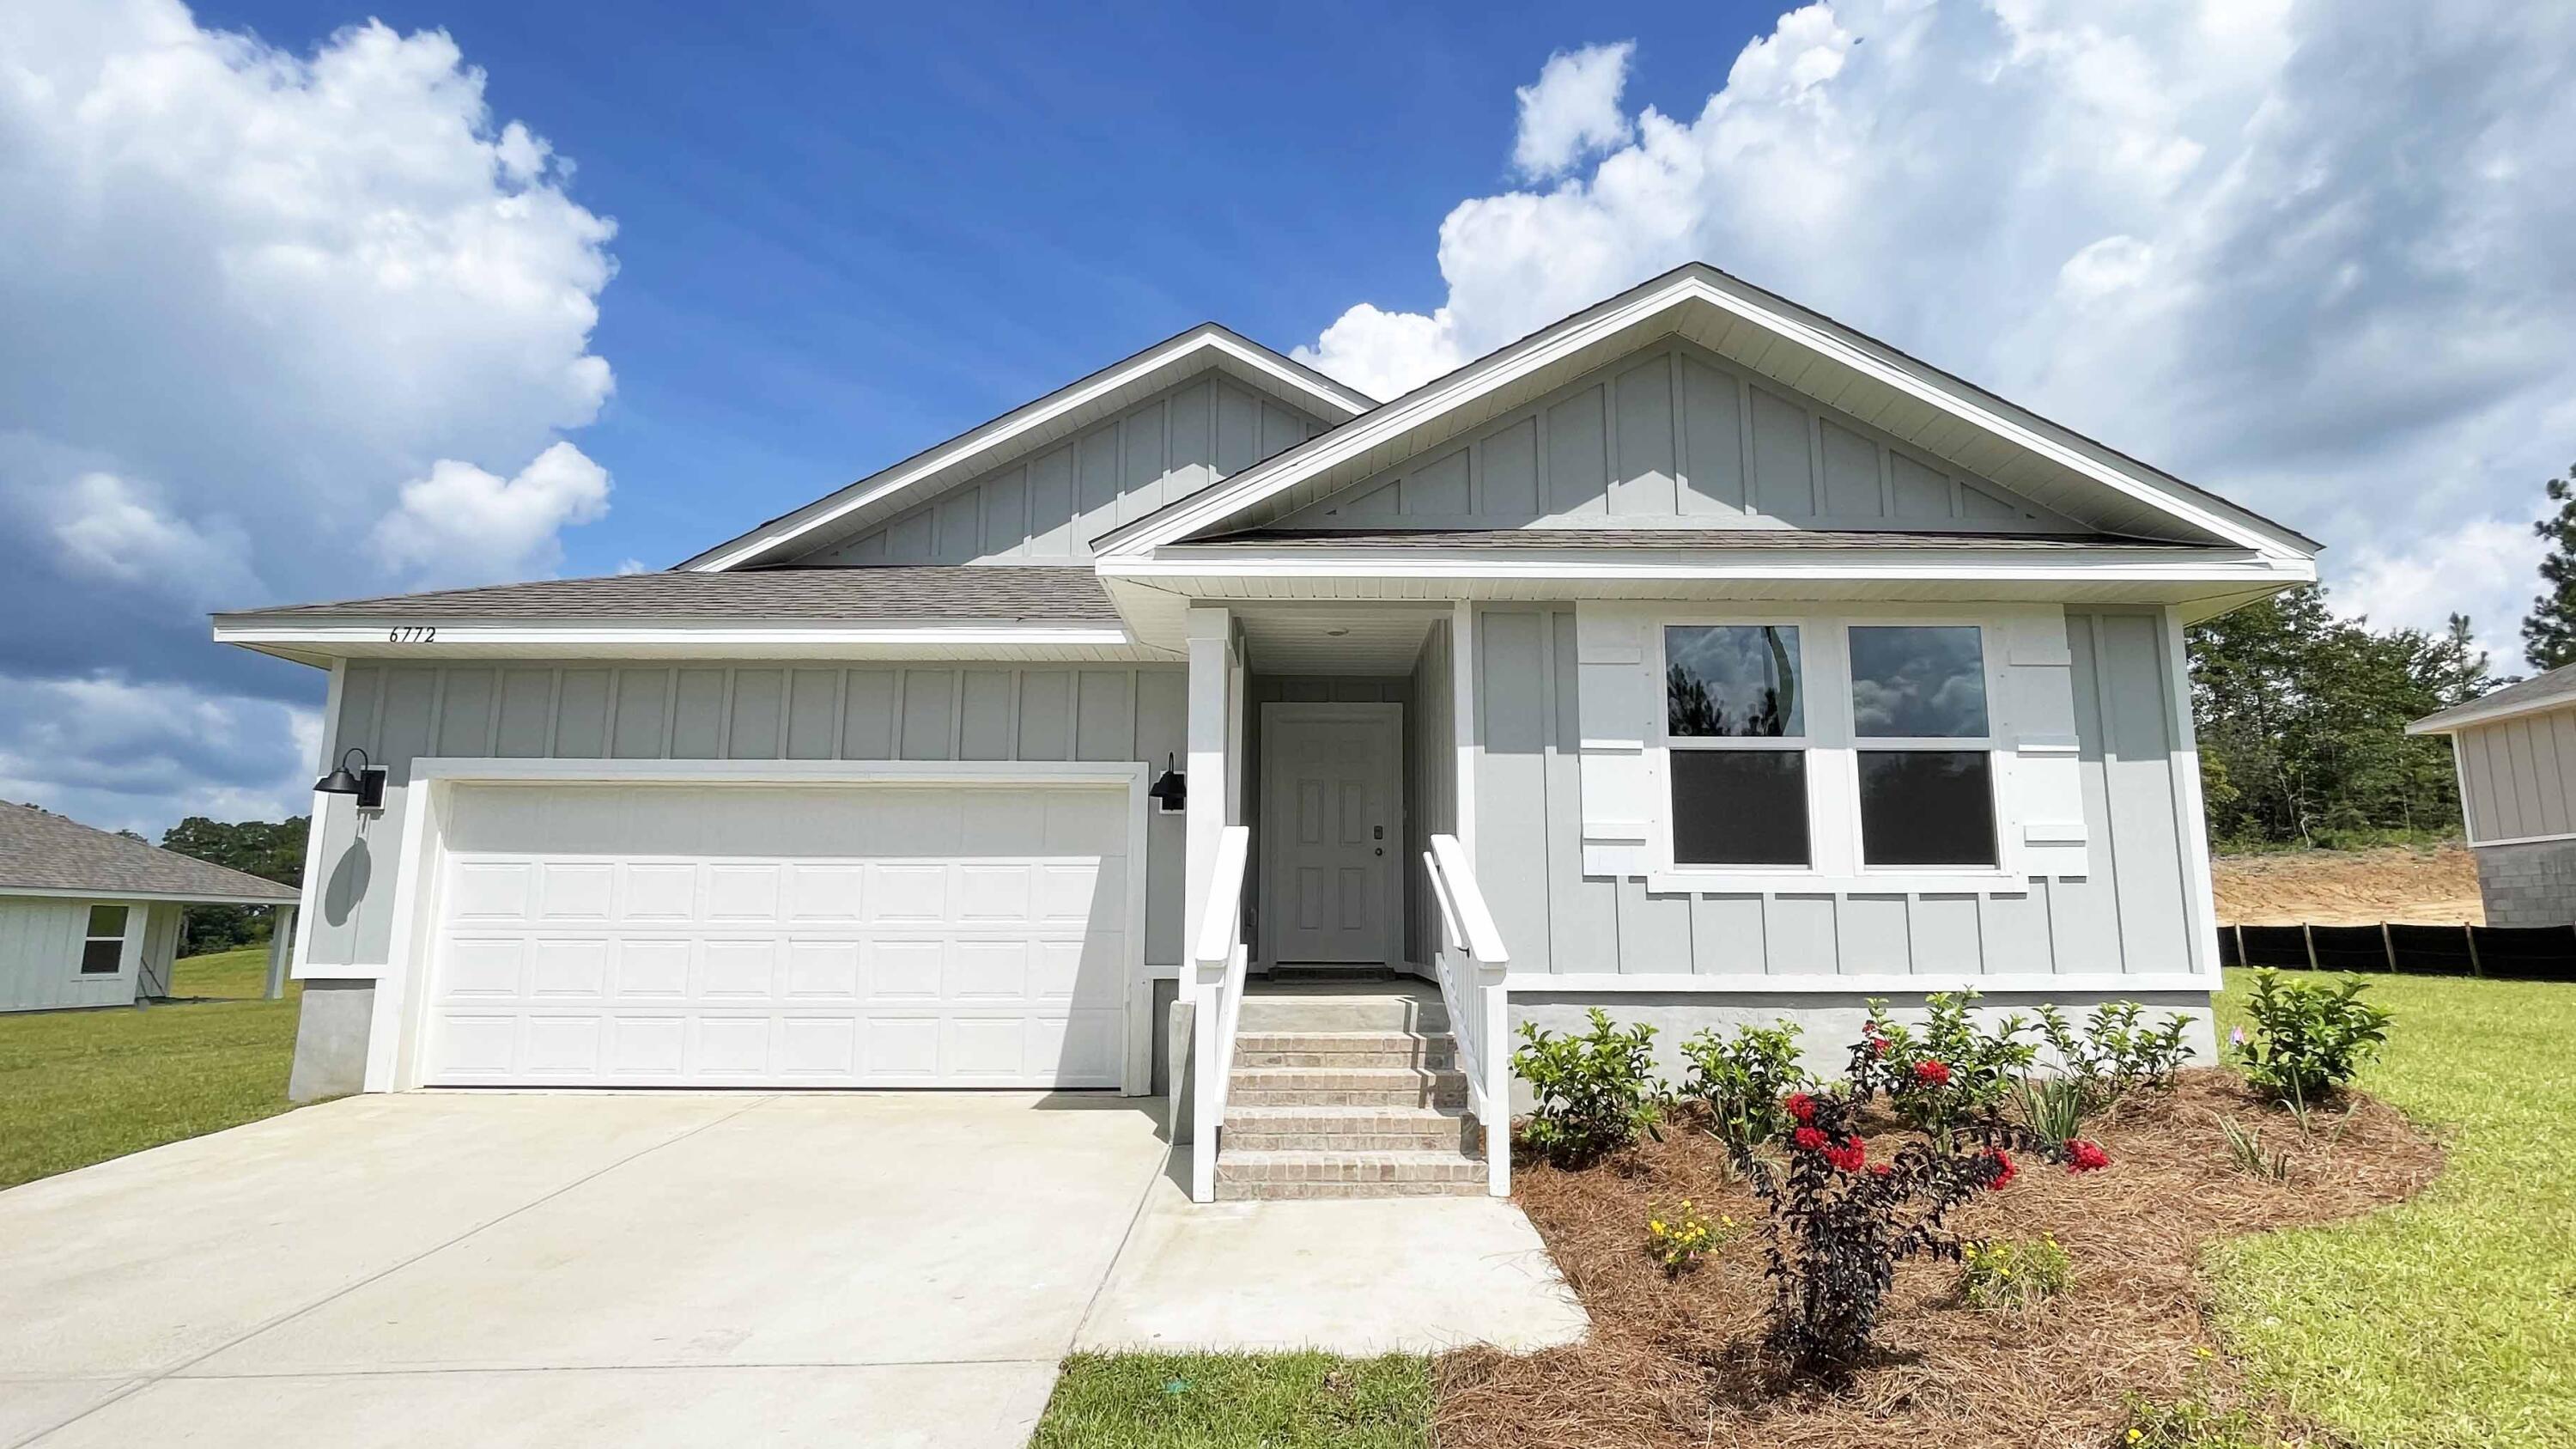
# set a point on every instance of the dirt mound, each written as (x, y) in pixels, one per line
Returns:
(2437, 886)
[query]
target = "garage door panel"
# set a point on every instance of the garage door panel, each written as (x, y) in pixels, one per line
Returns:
(652, 891)
(561, 966)
(826, 894)
(735, 970)
(789, 936)
(647, 968)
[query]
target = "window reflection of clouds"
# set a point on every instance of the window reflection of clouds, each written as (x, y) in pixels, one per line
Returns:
(1733, 681)
(1918, 681)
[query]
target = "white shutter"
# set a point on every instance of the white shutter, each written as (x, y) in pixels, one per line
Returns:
(1616, 700)
(2042, 785)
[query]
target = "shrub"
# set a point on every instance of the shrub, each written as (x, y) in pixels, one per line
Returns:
(2245, 1152)
(1596, 1090)
(2116, 1053)
(1743, 1079)
(2309, 1039)
(2052, 1107)
(2005, 1275)
(1680, 1236)
(1839, 1223)
(1951, 1077)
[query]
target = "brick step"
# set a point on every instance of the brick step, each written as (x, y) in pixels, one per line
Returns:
(1347, 1174)
(1340, 1012)
(1350, 1129)
(1345, 1049)
(1346, 1087)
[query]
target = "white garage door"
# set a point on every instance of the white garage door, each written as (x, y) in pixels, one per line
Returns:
(789, 936)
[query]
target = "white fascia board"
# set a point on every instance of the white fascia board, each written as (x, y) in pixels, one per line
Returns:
(323, 636)
(1331, 398)
(2469, 716)
(1615, 565)
(1526, 984)
(193, 898)
(1391, 421)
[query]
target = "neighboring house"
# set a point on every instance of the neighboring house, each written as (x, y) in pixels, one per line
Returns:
(89, 918)
(2516, 752)
(1727, 661)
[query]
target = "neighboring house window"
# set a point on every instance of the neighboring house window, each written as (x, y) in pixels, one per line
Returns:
(103, 953)
(1736, 722)
(1922, 745)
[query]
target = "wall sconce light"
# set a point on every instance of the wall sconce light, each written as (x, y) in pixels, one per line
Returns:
(1171, 792)
(367, 782)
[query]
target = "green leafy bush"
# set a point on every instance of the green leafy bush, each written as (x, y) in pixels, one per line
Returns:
(2002, 1275)
(1950, 1076)
(2117, 1053)
(1596, 1090)
(2309, 1039)
(1742, 1079)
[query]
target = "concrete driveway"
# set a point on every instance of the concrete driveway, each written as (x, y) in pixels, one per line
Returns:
(562, 1270)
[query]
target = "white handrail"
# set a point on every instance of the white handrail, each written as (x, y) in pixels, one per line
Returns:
(1218, 959)
(1480, 1010)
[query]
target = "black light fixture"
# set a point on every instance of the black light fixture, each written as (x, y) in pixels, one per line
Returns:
(367, 782)
(1172, 790)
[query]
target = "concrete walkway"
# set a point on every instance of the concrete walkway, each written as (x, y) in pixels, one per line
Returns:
(640, 1269)
(1366, 1276)
(682, 1269)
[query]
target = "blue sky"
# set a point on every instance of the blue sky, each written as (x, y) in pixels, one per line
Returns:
(308, 301)
(847, 232)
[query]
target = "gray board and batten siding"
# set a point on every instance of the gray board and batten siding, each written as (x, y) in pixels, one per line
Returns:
(737, 712)
(2518, 777)
(2129, 914)
(1675, 438)
(1049, 508)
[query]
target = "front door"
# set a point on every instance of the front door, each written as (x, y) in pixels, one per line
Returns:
(1333, 833)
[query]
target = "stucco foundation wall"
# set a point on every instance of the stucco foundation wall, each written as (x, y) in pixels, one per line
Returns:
(1831, 1021)
(331, 1039)
(2529, 885)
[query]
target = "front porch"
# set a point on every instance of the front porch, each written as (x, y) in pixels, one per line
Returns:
(1343, 971)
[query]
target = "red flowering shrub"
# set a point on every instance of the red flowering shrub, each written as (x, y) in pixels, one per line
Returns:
(1948, 1078)
(2083, 1156)
(1800, 1107)
(1839, 1223)
(1932, 1074)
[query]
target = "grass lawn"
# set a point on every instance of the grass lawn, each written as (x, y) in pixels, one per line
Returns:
(1274, 1401)
(78, 1087)
(2450, 1320)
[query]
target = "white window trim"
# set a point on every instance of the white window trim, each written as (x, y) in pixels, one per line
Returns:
(1835, 864)
(123, 938)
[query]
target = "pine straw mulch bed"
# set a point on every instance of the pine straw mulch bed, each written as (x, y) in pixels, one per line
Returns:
(1678, 1361)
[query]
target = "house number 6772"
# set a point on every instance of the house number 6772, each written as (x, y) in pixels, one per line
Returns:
(411, 634)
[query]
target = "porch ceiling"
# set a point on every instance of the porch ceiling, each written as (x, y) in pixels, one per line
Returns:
(1293, 638)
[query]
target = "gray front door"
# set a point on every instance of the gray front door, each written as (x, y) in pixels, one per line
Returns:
(1333, 832)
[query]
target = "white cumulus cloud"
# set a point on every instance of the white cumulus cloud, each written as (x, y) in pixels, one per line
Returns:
(2311, 256)
(461, 524)
(1572, 110)
(279, 325)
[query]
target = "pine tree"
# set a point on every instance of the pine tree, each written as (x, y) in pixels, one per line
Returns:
(2549, 631)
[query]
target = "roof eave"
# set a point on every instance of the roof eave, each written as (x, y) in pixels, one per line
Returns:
(113, 894)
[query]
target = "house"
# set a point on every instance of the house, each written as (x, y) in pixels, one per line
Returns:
(1697, 656)
(90, 918)
(2515, 748)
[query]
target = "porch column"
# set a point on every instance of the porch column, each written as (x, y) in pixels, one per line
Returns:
(1211, 764)
(281, 936)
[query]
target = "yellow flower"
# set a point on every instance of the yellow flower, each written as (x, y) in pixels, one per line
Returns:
(2136, 1435)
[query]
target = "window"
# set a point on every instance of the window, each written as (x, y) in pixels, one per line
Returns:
(1735, 718)
(1926, 776)
(103, 952)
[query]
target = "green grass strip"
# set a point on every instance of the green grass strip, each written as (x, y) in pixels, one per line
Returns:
(1222, 1400)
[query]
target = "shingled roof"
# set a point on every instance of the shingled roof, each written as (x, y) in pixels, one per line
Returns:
(880, 593)
(42, 853)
